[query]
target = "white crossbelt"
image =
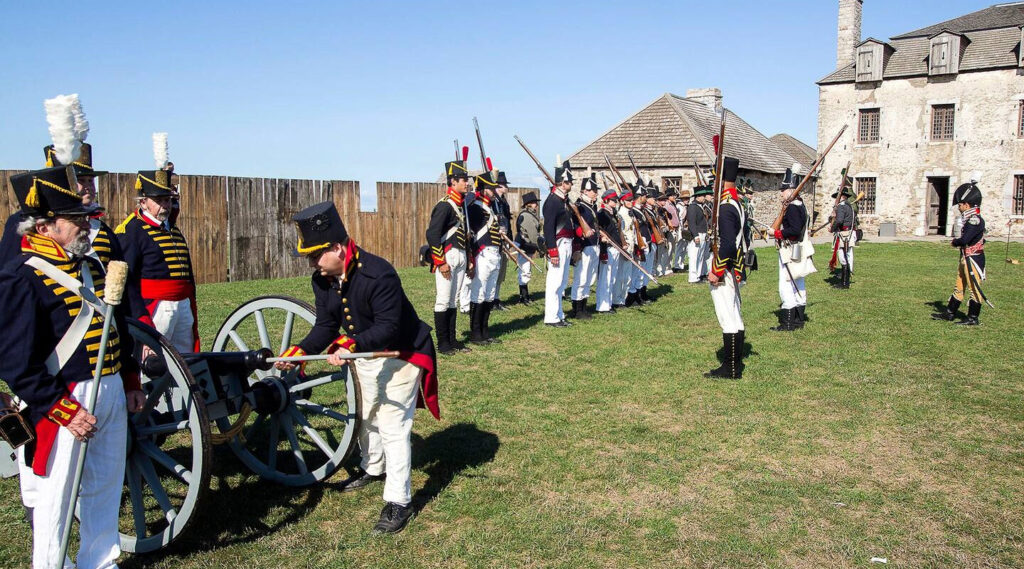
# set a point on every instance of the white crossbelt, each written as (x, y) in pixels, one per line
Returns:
(91, 304)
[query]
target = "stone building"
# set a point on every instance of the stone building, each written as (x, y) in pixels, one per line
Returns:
(927, 111)
(672, 133)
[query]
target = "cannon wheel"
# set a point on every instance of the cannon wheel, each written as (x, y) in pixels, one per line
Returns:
(310, 435)
(167, 471)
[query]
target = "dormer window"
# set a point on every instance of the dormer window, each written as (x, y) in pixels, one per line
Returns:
(870, 63)
(944, 55)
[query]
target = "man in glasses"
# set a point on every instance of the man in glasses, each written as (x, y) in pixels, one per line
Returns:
(159, 262)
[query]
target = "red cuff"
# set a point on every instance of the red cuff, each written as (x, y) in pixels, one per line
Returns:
(130, 381)
(778, 234)
(553, 253)
(719, 273)
(295, 351)
(579, 232)
(343, 341)
(63, 411)
(147, 320)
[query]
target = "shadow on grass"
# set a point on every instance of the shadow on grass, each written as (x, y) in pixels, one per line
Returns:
(521, 323)
(446, 454)
(236, 512)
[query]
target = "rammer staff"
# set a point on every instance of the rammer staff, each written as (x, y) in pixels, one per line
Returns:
(516, 248)
(627, 256)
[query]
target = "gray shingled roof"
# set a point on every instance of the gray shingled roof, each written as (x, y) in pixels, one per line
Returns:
(799, 151)
(990, 48)
(997, 16)
(674, 131)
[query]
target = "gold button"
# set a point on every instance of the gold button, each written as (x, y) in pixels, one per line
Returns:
(344, 299)
(351, 327)
(360, 265)
(348, 317)
(346, 309)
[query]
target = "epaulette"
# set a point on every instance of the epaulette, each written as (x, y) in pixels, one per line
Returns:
(123, 226)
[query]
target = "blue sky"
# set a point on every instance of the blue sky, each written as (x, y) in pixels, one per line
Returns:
(379, 90)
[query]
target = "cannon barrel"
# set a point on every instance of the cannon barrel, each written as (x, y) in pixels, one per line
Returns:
(223, 363)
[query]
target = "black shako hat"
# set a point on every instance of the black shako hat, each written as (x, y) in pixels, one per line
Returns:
(485, 181)
(967, 193)
(455, 170)
(49, 192)
(589, 183)
(319, 227)
(154, 183)
(83, 165)
(730, 169)
(563, 174)
(502, 179)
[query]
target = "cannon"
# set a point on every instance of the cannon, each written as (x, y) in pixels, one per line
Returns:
(292, 428)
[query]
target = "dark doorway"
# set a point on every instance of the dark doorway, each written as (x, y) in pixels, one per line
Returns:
(938, 205)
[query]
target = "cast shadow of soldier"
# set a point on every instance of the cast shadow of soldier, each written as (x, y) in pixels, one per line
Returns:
(242, 511)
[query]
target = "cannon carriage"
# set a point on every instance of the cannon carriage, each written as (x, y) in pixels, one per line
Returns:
(292, 428)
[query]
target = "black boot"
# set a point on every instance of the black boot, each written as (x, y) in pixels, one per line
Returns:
(444, 343)
(476, 335)
(786, 317)
(485, 321)
(575, 308)
(498, 305)
(453, 314)
(973, 311)
(730, 366)
(741, 338)
(524, 295)
(581, 309)
(846, 276)
(950, 312)
(630, 300)
(393, 518)
(799, 318)
(644, 299)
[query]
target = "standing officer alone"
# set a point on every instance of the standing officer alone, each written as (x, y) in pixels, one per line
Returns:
(528, 236)
(971, 270)
(48, 354)
(586, 268)
(159, 262)
(486, 255)
(360, 306)
(559, 231)
(726, 273)
(446, 237)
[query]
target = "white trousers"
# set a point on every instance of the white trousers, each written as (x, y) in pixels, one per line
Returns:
(173, 319)
(586, 272)
(679, 259)
(639, 279)
(464, 294)
(102, 480)
(555, 282)
(661, 258)
(726, 298)
(790, 298)
(502, 265)
(448, 289)
(698, 257)
(622, 281)
(606, 273)
(847, 256)
(484, 287)
(525, 270)
(387, 393)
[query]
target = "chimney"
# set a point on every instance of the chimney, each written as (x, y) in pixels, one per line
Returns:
(849, 31)
(710, 97)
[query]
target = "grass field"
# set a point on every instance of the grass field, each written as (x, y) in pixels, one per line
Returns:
(873, 432)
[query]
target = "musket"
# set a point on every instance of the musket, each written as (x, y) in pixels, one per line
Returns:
(485, 163)
(810, 174)
(699, 174)
(719, 143)
(457, 150)
(622, 181)
(627, 256)
(835, 204)
(856, 199)
(543, 170)
(516, 248)
(656, 234)
(579, 219)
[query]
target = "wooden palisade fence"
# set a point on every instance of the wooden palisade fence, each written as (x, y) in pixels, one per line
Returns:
(240, 228)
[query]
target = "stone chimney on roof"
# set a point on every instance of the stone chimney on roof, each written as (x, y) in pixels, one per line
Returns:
(850, 13)
(710, 97)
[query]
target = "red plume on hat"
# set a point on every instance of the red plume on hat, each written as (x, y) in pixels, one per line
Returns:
(465, 153)
(714, 142)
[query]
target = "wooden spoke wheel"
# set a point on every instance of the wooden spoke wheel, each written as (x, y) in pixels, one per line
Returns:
(167, 471)
(304, 432)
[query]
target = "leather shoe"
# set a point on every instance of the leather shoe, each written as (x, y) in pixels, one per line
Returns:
(559, 324)
(393, 518)
(359, 480)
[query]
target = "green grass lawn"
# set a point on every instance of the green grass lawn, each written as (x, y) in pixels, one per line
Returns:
(873, 432)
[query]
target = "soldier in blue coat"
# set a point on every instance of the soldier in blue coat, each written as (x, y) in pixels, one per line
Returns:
(971, 270)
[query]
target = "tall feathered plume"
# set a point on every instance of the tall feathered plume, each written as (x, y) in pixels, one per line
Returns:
(60, 117)
(81, 124)
(160, 149)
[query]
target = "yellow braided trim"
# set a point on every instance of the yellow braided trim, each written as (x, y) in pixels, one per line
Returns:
(311, 249)
(161, 186)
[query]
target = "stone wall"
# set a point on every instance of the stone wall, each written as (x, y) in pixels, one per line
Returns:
(985, 146)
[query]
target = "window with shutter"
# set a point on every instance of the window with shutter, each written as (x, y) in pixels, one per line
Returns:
(943, 118)
(1018, 195)
(867, 130)
(867, 186)
(1020, 120)
(939, 59)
